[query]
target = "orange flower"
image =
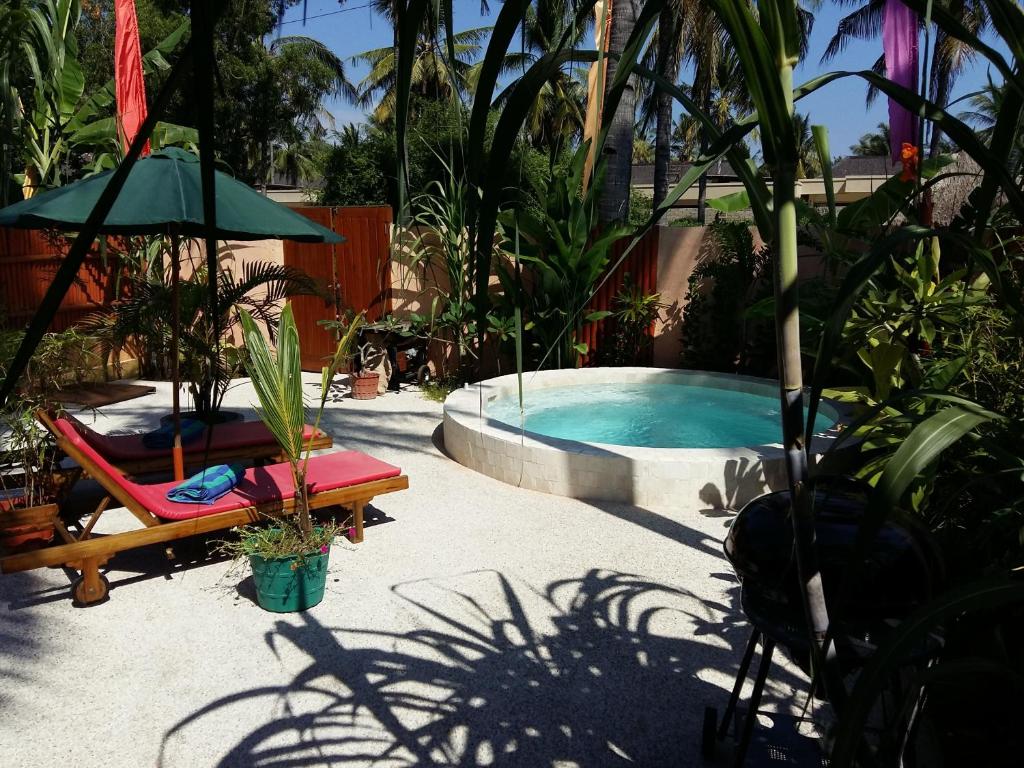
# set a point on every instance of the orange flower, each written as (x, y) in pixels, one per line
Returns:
(911, 162)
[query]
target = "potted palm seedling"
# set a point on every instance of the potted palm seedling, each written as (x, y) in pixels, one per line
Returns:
(288, 558)
(30, 479)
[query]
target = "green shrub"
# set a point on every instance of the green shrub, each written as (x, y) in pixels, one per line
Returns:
(719, 331)
(633, 312)
(641, 206)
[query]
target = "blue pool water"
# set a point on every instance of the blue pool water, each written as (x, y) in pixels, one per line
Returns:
(651, 415)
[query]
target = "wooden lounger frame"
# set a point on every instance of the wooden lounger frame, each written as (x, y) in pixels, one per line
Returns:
(86, 553)
(269, 451)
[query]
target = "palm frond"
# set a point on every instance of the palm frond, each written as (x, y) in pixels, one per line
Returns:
(864, 23)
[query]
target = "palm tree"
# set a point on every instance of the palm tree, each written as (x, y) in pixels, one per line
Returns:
(613, 204)
(302, 160)
(808, 162)
(140, 321)
(718, 83)
(950, 56)
(320, 73)
(718, 88)
(686, 139)
(985, 106)
(558, 114)
(873, 143)
(325, 66)
(643, 148)
(433, 76)
(556, 120)
(665, 55)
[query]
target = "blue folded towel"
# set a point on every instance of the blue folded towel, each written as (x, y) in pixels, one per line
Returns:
(163, 438)
(208, 486)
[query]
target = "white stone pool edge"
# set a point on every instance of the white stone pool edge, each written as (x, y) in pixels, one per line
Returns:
(647, 477)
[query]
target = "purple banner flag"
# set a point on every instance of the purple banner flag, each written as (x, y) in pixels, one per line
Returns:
(899, 41)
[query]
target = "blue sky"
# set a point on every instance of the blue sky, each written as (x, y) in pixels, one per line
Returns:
(840, 106)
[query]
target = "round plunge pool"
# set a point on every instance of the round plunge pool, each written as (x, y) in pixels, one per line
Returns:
(652, 437)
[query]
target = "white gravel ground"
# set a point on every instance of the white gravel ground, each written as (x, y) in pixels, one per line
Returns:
(478, 624)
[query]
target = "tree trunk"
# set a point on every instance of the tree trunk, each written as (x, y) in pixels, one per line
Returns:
(702, 182)
(942, 82)
(667, 67)
(618, 147)
(702, 199)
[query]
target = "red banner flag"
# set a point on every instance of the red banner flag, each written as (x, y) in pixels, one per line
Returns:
(128, 80)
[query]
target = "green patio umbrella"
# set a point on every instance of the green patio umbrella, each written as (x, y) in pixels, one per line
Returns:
(163, 196)
(164, 189)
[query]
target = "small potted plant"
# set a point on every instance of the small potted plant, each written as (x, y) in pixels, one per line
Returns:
(32, 481)
(365, 384)
(373, 357)
(288, 558)
(31, 478)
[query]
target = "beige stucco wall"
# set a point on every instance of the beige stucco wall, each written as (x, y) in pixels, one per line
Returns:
(233, 256)
(413, 288)
(678, 253)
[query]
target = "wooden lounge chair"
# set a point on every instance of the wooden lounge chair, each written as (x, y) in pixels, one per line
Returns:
(231, 441)
(346, 478)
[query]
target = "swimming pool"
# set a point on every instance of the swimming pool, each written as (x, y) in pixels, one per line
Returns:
(646, 436)
(651, 414)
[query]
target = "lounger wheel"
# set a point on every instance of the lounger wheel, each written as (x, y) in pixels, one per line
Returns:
(709, 734)
(84, 595)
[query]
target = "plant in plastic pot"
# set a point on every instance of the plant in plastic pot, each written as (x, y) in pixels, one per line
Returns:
(289, 558)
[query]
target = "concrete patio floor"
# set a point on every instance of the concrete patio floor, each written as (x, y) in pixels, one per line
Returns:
(478, 624)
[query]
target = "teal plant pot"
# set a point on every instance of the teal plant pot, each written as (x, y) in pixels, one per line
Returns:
(281, 589)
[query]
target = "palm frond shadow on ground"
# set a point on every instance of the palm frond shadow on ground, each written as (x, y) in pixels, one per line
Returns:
(606, 669)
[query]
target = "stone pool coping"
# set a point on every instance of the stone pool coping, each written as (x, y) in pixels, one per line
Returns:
(718, 477)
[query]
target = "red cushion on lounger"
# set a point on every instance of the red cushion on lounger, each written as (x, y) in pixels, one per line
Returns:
(259, 485)
(233, 435)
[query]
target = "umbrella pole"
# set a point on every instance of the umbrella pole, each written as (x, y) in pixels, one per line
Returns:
(178, 455)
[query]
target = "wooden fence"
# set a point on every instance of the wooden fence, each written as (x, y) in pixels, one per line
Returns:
(642, 266)
(28, 262)
(357, 273)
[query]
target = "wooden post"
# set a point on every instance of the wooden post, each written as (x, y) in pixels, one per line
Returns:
(177, 453)
(357, 521)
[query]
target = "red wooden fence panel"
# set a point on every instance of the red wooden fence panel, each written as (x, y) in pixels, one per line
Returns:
(28, 261)
(364, 259)
(642, 265)
(357, 272)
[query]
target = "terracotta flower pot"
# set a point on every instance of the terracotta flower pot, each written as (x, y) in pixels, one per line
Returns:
(26, 528)
(364, 385)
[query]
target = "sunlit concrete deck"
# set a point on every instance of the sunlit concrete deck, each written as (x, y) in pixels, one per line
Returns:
(478, 624)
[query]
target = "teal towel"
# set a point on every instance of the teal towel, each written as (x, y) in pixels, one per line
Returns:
(208, 486)
(163, 438)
